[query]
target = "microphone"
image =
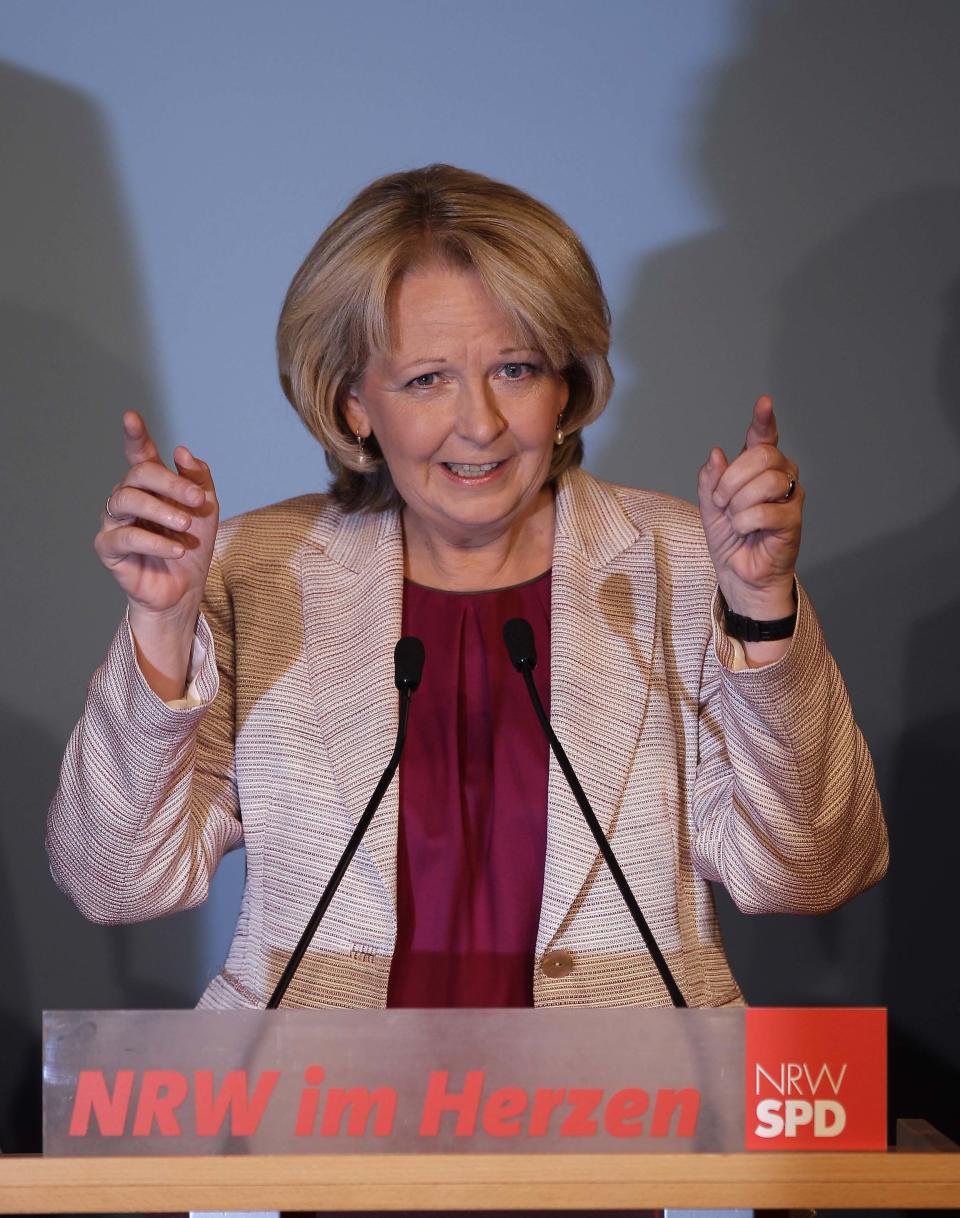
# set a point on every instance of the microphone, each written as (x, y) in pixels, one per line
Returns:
(518, 636)
(408, 656)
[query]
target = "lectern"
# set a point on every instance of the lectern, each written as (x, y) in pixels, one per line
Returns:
(571, 1108)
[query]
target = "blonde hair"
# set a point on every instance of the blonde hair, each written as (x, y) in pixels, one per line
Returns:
(336, 311)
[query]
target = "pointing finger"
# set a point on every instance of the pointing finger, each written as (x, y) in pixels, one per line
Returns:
(138, 445)
(763, 425)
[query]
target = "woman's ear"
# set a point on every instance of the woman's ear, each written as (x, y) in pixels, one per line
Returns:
(355, 413)
(564, 397)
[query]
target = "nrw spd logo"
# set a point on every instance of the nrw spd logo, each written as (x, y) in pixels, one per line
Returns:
(816, 1079)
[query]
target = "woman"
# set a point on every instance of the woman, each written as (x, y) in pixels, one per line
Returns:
(446, 342)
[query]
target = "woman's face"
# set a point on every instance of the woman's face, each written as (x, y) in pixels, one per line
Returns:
(465, 419)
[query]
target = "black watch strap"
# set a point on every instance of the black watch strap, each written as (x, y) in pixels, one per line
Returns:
(749, 630)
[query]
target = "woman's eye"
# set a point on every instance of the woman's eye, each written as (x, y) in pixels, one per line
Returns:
(516, 372)
(427, 381)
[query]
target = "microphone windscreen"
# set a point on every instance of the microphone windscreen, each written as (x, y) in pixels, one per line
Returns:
(408, 658)
(518, 636)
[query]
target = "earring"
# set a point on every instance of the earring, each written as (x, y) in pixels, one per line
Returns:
(558, 434)
(361, 454)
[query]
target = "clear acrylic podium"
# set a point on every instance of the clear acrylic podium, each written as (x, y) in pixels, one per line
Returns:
(260, 1112)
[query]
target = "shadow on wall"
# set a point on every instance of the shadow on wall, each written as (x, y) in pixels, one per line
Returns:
(890, 606)
(828, 148)
(74, 354)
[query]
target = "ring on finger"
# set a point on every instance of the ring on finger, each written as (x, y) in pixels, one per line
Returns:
(106, 508)
(791, 487)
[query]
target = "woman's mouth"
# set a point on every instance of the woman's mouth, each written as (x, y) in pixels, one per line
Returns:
(464, 469)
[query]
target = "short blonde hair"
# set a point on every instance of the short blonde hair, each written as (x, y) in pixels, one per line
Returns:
(336, 311)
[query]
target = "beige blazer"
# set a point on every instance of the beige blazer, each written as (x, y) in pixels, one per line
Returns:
(757, 779)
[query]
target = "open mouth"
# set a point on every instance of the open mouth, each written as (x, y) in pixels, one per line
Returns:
(463, 469)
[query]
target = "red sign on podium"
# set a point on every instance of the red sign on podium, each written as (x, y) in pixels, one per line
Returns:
(816, 1079)
(567, 1079)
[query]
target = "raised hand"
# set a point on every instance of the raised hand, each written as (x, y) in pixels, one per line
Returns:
(156, 538)
(752, 510)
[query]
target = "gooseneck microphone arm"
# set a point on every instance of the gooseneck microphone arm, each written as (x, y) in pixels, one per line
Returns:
(518, 636)
(408, 666)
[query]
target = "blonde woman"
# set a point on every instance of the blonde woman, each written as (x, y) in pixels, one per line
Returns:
(446, 343)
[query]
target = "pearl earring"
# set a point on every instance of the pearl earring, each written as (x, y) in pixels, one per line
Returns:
(361, 454)
(558, 434)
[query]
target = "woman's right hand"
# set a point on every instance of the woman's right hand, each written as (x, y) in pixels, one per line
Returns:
(157, 542)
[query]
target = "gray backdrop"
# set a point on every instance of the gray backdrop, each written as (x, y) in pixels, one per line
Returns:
(772, 193)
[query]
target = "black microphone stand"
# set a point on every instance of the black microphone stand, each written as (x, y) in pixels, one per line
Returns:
(518, 636)
(408, 662)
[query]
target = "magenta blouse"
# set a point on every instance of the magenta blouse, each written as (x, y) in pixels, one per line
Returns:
(473, 804)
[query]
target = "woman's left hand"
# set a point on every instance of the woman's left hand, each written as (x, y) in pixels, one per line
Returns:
(752, 510)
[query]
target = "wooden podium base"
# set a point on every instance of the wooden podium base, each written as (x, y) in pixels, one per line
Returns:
(897, 1179)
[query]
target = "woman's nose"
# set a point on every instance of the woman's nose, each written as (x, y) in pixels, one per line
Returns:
(478, 414)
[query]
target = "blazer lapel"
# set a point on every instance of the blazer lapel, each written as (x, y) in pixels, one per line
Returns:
(352, 592)
(602, 637)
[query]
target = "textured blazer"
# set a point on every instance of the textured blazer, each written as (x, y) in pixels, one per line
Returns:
(757, 779)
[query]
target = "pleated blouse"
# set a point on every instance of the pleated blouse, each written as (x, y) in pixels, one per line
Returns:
(473, 804)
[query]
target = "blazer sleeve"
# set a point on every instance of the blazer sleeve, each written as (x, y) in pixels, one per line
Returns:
(147, 802)
(786, 813)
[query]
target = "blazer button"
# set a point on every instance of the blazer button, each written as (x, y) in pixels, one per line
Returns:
(556, 964)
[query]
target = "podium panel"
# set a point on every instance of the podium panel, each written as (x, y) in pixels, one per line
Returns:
(568, 1080)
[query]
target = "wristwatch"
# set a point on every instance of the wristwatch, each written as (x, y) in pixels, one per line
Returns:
(749, 630)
